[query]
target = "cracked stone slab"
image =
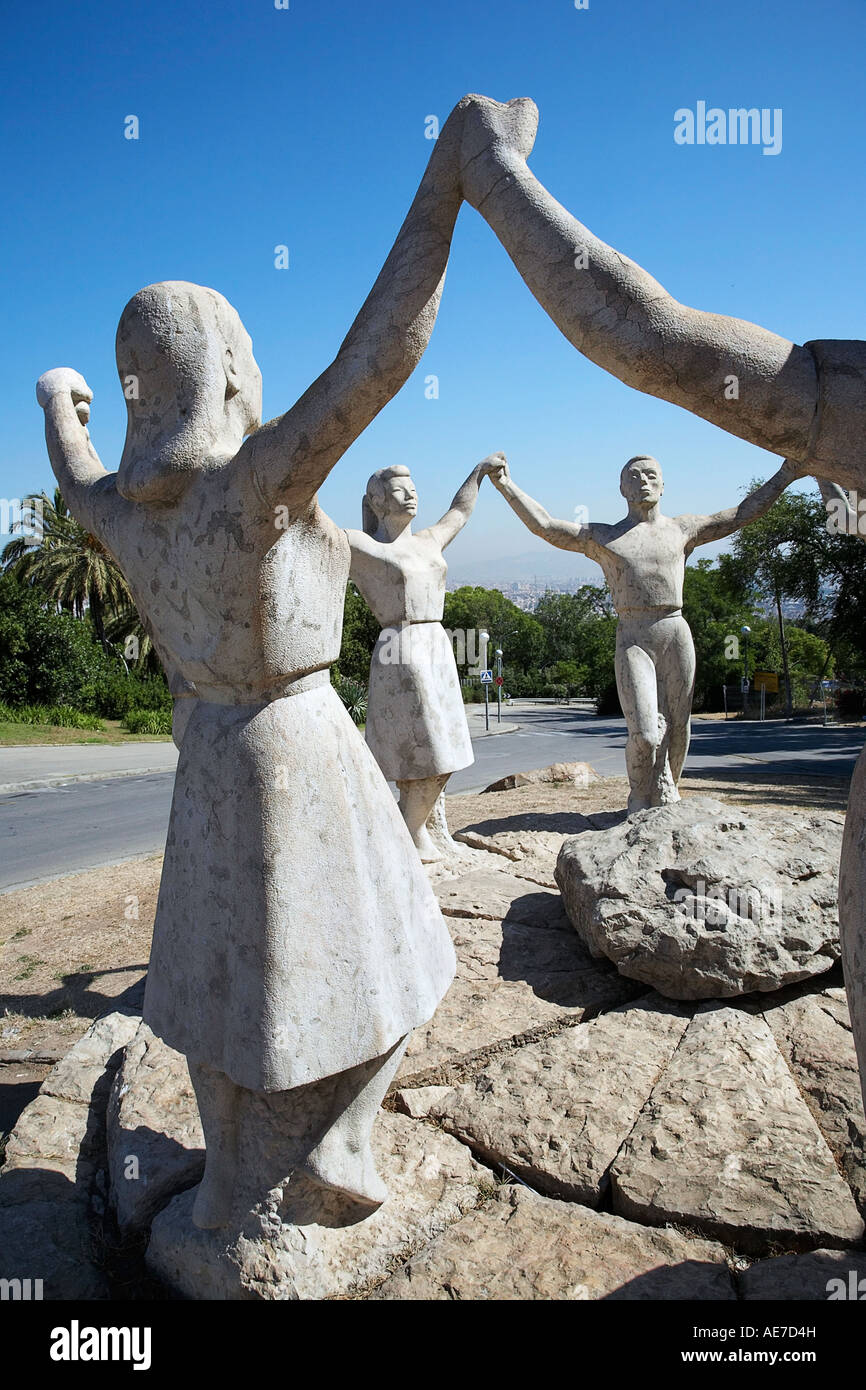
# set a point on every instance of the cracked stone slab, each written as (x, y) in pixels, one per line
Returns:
(702, 901)
(154, 1135)
(523, 1246)
(814, 1035)
(432, 1181)
(726, 1145)
(557, 1112)
(513, 984)
(499, 896)
(821, 1275)
(530, 854)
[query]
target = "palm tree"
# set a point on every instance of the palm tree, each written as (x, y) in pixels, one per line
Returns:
(72, 569)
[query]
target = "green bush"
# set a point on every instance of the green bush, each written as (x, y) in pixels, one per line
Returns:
(148, 721)
(353, 694)
(120, 692)
(59, 716)
(554, 691)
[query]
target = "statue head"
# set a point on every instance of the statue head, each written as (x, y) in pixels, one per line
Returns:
(641, 481)
(390, 493)
(193, 388)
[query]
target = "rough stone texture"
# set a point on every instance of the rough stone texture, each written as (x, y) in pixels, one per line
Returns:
(432, 1181)
(578, 774)
(808, 1276)
(522, 1246)
(552, 1113)
(528, 854)
(152, 1118)
(705, 901)
(514, 984)
(418, 1101)
(852, 910)
(814, 1036)
(50, 1183)
(500, 896)
(726, 1145)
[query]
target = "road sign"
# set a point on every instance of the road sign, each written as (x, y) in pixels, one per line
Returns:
(486, 677)
(498, 680)
(769, 680)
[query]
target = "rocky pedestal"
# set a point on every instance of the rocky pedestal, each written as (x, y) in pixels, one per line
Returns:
(703, 901)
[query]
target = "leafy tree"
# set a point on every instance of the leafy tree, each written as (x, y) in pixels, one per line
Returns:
(69, 566)
(519, 634)
(45, 658)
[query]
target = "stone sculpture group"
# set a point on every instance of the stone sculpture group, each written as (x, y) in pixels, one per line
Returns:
(297, 940)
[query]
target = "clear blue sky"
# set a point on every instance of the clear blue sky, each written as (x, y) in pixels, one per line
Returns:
(306, 127)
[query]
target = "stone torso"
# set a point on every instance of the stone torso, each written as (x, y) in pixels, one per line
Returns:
(403, 581)
(235, 605)
(643, 563)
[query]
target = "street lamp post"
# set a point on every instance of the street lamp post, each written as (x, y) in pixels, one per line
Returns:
(484, 638)
(745, 632)
(499, 685)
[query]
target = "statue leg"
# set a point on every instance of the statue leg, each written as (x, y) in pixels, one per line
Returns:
(342, 1159)
(219, 1101)
(636, 683)
(675, 668)
(321, 1130)
(417, 800)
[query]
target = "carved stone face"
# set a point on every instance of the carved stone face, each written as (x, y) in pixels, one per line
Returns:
(398, 498)
(642, 482)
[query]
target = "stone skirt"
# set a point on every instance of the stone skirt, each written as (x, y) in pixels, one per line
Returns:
(416, 722)
(296, 933)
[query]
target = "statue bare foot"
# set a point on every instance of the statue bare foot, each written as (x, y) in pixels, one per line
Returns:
(338, 1164)
(493, 131)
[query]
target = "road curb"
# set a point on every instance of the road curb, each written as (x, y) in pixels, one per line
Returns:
(39, 784)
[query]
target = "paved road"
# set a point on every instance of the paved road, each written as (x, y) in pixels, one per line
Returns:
(62, 829)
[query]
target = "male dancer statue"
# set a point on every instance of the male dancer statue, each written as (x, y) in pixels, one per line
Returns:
(643, 558)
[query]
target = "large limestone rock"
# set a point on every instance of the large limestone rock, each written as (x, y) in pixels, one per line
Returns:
(523, 1246)
(705, 901)
(557, 1112)
(727, 1146)
(51, 1183)
(432, 1181)
(154, 1135)
(514, 983)
(570, 774)
(813, 1034)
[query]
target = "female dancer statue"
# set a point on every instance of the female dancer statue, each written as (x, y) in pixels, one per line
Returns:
(297, 941)
(416, 721)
